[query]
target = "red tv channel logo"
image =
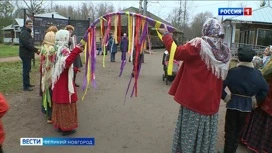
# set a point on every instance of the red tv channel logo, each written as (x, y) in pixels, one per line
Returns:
(247, 11)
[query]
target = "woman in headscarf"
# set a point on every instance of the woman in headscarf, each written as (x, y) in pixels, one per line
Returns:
(197, 88)
(47, 61)
(64, 115)
(257, 134)
(53, 29)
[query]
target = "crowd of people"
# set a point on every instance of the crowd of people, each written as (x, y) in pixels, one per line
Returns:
(200, 86)
(59, 64)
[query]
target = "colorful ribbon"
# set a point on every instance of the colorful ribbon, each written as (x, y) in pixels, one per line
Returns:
(136, 42)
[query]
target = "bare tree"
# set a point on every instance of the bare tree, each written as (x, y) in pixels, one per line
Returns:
(198, 22)
(32, 6)
(104, 8)
(6, 9)
(61, 10)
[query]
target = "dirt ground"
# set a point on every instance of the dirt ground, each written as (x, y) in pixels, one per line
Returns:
(145, 124)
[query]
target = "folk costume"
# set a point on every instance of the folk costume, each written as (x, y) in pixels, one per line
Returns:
(48, 54)
(247, 86)
(205, 66)
(64, 115)
(257, 134)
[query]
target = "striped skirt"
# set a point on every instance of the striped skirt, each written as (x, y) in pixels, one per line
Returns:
(257, 134)
(195, 133)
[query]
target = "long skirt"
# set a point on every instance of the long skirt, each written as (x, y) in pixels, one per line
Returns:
(257, 134)
(47, 103)
(64, 116)
(195, 133)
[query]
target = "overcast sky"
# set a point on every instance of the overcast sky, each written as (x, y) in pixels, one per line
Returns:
(163, 8)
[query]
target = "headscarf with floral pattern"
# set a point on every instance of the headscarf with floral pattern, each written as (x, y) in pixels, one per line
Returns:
(213, 51)
(47, 59)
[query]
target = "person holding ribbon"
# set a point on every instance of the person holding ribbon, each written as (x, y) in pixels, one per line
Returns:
(64, 113)
(247, 86)
(197, 87)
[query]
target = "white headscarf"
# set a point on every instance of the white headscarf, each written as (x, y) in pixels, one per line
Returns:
(61, 44)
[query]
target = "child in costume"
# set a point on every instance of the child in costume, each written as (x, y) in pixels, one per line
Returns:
(247, 86)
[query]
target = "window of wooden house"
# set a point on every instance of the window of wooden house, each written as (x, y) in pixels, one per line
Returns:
(7, 34)
(237, 35)
(251, 37)
(264, 37)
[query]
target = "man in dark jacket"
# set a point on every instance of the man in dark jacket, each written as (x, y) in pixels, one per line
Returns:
(26, 53)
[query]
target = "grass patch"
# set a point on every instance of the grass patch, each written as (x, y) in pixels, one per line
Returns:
(9, 50)
(12, 79)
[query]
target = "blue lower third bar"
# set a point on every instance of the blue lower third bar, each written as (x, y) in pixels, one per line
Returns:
(68, 142)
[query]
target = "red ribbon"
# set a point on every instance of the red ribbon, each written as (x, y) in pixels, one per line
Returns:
(138, 27)
(119, 28)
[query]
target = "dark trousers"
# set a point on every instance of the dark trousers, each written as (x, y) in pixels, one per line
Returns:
(123, 56)
(26, 69)
(1, 150)
(112, 57)
(234, 122)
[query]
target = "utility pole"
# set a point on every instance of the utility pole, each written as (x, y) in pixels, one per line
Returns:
(140, 7)
(145, 7)
(145, 14)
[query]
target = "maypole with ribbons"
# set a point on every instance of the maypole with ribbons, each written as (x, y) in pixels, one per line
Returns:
(137, 34)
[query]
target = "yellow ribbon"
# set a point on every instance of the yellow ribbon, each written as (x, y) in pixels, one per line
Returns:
(129, 32)
(158, 24)
(104, 54)
(88, 64)
(172, 54)
(115, 28)
(171, 58)
(143, 43)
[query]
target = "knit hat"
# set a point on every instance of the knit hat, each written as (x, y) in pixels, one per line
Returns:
(246, 54)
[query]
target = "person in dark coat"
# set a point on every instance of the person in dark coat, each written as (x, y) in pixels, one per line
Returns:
(124, 47)
(72, 43)
(247, 86)
(112, 47)
(26, 53)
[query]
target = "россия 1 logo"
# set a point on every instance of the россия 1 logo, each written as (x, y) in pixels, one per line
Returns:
(235, 11)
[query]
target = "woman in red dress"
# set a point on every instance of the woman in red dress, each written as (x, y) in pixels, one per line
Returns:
(64, 113)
